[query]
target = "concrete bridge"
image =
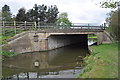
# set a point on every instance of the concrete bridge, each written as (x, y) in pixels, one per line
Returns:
(48, 38)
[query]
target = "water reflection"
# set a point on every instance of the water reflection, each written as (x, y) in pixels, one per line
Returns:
(60, 62)
(92, 41)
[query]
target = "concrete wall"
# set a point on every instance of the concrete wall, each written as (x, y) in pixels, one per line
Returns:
(48, 41)
(25, 43)
(19, 45)
(103, 37)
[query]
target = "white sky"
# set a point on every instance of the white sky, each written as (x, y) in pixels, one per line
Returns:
(79, 11)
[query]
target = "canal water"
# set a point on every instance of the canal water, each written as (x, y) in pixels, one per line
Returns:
(64, 62)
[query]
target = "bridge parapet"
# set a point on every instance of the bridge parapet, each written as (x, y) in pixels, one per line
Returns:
(50, 27)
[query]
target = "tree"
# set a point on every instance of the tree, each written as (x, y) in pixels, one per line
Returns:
(35, 13)
(113, 18)
(0, 16)
(30, 15)
(63, 20)
(63, 15)
(114, 25)
(21, 16)
(109, 3)
(6, 14)
(43, 13)
(51, 14)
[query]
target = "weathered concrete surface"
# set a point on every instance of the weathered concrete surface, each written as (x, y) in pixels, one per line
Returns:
(103, 37)
(19, 45)
(24, 42)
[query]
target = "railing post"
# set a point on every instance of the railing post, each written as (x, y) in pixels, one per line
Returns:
(25, 24)
(88, 26)
(15, 26)
(100, 27)
(104, 26)
(39, 25)
(35, 26)
(3, 28)
(3, 24)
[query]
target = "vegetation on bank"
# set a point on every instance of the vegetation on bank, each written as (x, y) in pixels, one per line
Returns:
(92, 36)
(102, 63)
(7, 53)
(8, 33)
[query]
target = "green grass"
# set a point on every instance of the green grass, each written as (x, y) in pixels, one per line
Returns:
(92, 36)
(102, 63)
(9, 33)
(7, 53)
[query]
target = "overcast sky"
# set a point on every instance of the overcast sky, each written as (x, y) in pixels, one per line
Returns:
(79, 11)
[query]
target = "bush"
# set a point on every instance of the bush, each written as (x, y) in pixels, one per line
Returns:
(7, 53)
(113, 21)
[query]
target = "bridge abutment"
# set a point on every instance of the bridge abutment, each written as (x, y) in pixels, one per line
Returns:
(45, 42)
(103, 37)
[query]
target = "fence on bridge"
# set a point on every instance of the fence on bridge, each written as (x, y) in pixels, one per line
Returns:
(17, 27)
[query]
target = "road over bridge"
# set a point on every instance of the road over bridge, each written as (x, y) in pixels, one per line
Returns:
(50, 37)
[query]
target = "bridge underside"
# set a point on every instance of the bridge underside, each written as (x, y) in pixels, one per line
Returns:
(56, 41)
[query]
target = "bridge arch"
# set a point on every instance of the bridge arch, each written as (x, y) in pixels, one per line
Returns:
(51, 36)
(24, 42)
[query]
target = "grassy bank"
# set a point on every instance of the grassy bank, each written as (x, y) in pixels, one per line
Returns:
(92, 36)
(7, 53)
(102, 63)
(8, 33)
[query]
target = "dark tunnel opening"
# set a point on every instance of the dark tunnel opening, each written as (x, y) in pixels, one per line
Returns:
(56, 41)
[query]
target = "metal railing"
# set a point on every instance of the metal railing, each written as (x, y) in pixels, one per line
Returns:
(42, 24)
(17, 26)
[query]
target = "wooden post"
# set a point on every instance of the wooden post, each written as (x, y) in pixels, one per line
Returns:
(39, 24)
(100, 27)
(35, 25)
(28, 75)
(3, 23)
(81, 27)
(88, 26)
(15, 26)
(104, 26)
(25, 24)
(17, 76)
(3, 28)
